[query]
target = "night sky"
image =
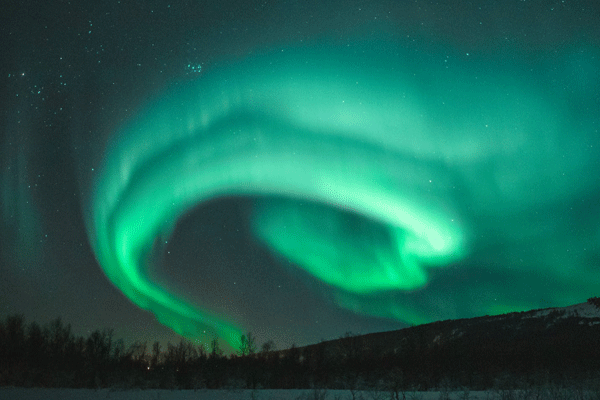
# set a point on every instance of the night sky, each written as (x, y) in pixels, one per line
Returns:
(297, 169)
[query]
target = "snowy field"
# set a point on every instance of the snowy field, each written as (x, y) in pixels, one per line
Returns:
(72, 394)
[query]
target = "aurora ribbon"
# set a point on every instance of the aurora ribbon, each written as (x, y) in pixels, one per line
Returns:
(362, 158)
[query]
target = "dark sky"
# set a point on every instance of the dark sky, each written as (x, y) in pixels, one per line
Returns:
(77, 76)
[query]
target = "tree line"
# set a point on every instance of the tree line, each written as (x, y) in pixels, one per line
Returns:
(424, 357)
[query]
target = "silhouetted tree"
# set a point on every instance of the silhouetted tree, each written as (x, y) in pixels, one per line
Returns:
(247, 345)
(155, 355)
(397, 384)
(14, 348)
(268, 346)
(59, 340)
(216, 351)
(36, 353)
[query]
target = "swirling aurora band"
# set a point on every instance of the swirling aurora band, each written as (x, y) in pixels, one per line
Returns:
(349, 152)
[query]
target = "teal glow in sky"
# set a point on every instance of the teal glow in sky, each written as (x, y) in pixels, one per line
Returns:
(376, 170)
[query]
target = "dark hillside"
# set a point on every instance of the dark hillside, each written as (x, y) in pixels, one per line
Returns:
(562, 342)
(534, 348)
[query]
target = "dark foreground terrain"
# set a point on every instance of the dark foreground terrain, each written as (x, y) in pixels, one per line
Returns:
(541, 353)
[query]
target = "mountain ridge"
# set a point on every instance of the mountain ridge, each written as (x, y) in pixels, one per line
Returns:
(545, 326)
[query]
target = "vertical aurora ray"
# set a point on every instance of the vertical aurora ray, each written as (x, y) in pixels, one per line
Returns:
(366, 162)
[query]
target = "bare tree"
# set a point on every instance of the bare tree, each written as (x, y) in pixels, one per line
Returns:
(397, 384)
(155, 355)
(216, 351)
(247, 345)
(268, 346)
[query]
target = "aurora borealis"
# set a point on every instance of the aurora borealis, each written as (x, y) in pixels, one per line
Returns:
(384, 180)
(258, 134)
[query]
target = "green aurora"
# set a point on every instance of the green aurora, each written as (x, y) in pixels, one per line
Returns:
(374, 167)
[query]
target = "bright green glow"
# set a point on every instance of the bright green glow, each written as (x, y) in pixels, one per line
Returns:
(366, 162)
(389, 254)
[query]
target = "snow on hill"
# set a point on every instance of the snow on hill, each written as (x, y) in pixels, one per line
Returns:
(582, 310)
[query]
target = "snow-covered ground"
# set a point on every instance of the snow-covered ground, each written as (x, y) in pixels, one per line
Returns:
(582, 310)
(90, 394)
